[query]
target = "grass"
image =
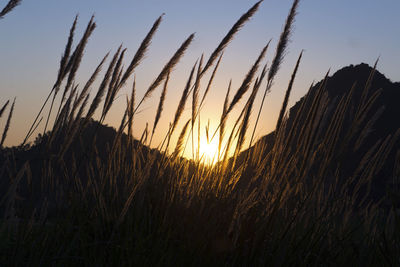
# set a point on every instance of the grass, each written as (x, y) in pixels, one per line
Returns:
(75, 202)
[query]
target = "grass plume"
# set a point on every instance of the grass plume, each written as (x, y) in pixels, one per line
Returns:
(160, 107)
(182, 101)
(283, 41)
(247, 80)
(231, 33)
(278, 58)
(9, 7)
(4, 108)
(102, 88)
(7, 126)
(287, 94)
(179, 144)
(141, 52)
(167, 68)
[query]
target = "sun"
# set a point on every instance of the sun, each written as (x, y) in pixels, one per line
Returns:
(209, 150)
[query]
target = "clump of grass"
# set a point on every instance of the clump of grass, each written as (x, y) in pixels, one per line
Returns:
(107, 199)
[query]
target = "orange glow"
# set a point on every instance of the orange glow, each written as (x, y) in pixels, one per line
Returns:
(209, 150)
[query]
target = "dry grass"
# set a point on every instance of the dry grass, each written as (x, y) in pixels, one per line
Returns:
(75, 199)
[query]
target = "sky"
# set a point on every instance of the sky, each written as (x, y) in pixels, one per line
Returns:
(333, 34)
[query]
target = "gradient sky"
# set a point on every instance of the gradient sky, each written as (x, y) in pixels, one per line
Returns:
(332, 33)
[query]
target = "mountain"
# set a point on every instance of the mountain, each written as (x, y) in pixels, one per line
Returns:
(380, 120)
(91, 147)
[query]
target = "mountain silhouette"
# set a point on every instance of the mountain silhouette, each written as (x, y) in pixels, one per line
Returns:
(85, 146)
(93, 143)
(383, 114)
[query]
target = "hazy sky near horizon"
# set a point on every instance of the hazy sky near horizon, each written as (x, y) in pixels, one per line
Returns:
(332, 33)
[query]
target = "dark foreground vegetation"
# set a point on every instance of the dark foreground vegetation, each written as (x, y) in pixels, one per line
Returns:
(321, 190)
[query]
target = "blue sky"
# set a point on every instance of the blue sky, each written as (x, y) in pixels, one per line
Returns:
(332, 33)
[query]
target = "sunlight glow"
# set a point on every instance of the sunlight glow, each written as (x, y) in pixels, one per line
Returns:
(209, 151)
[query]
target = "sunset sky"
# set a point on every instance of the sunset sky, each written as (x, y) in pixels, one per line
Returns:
(332, 33)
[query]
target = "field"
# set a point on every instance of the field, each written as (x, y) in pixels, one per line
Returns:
(86, 194)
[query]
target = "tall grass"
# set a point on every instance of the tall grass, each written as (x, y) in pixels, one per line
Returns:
(78, 199)
(9, 7)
